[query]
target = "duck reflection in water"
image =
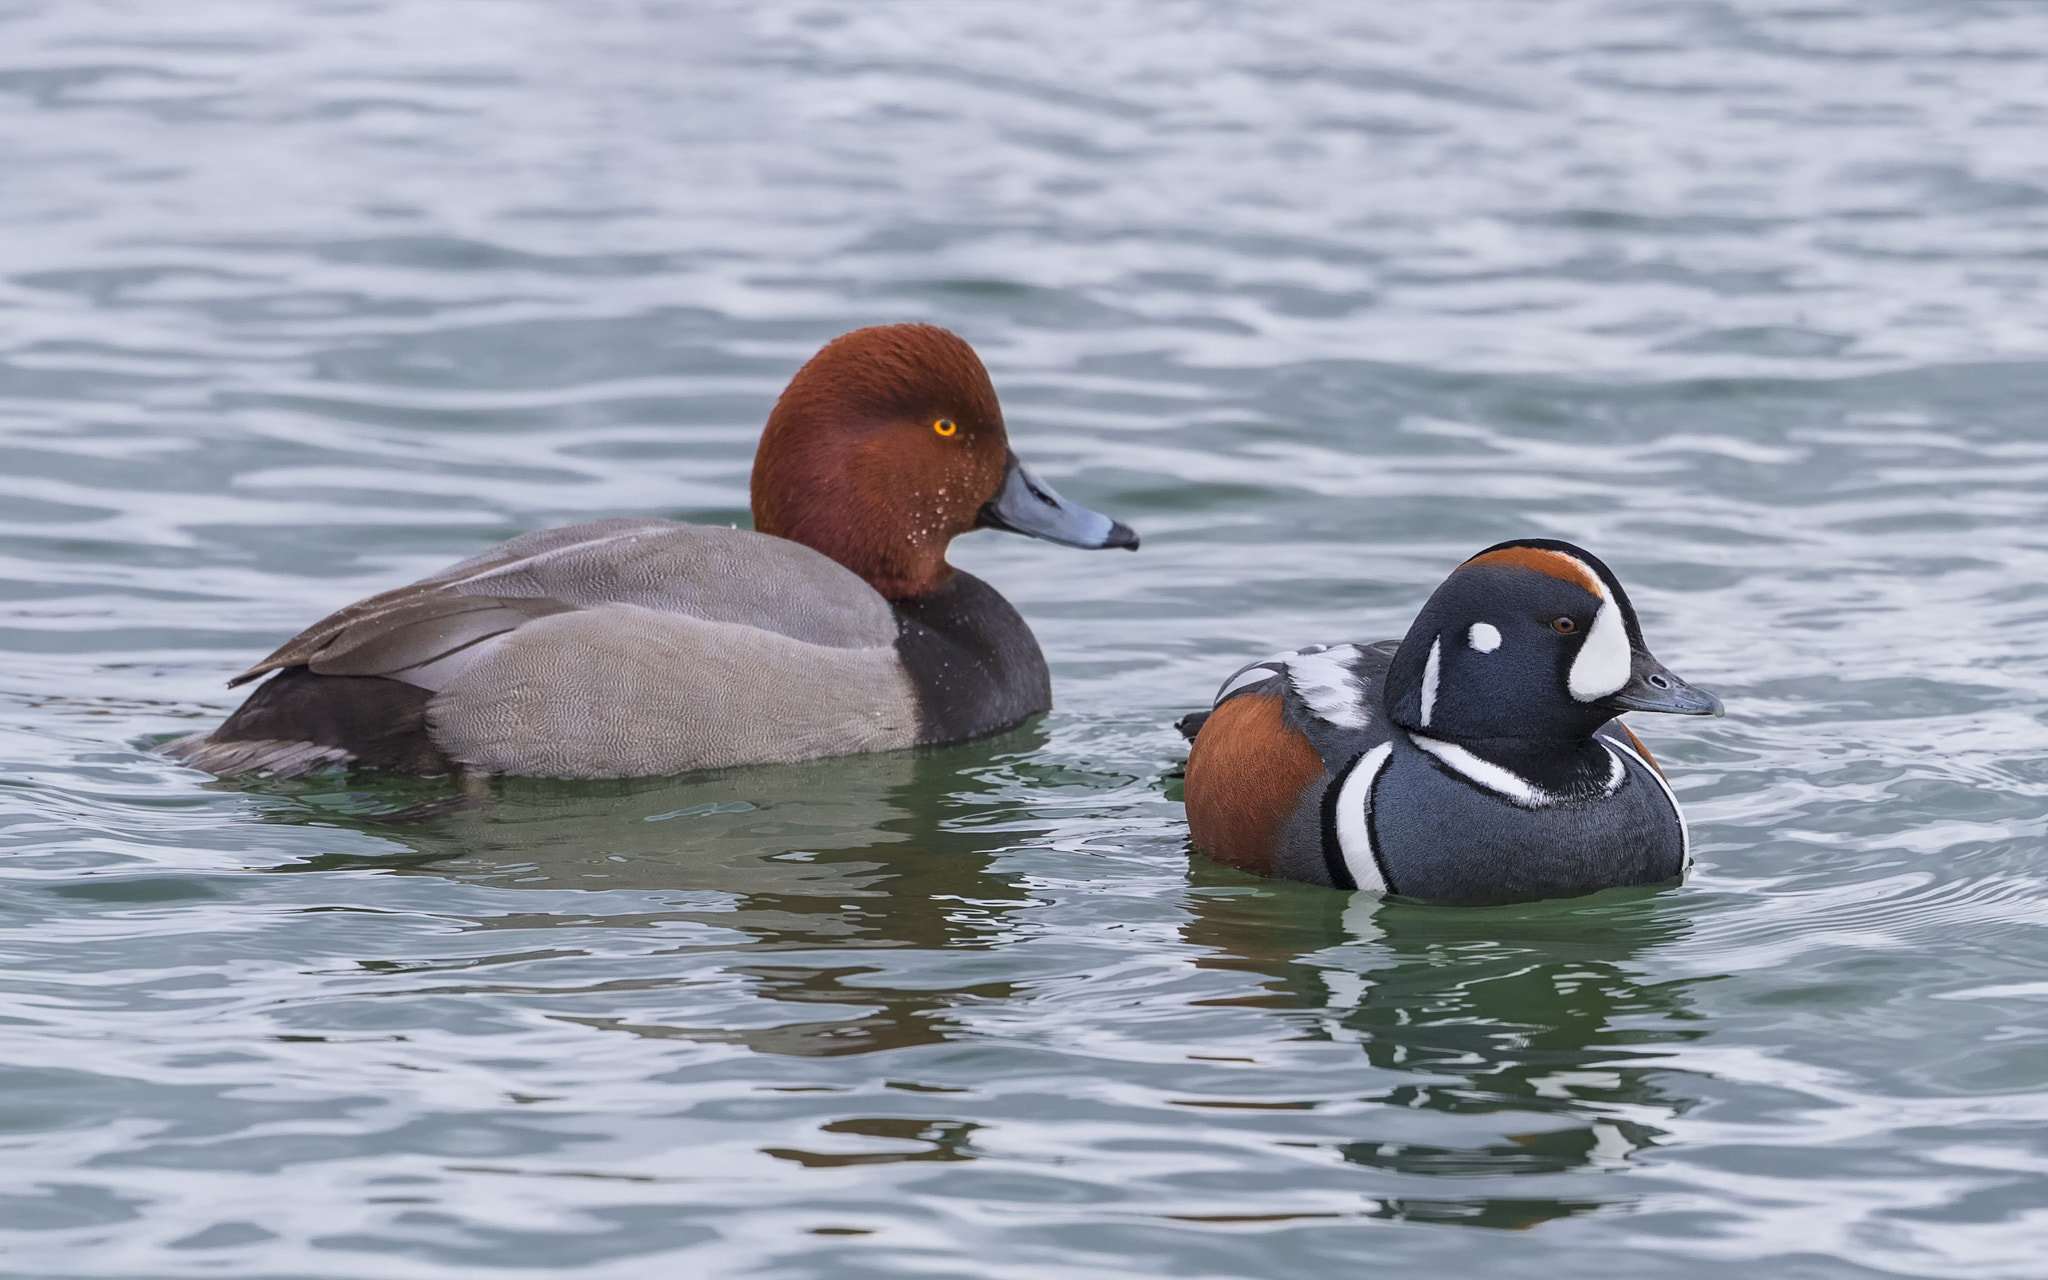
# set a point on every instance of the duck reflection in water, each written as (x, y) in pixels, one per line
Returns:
(1532, 1016)
(843, 855)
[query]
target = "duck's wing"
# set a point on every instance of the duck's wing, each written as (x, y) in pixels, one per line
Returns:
(1329, 694)
(425, 633)
(1280, 729)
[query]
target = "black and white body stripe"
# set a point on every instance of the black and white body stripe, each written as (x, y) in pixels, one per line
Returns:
(1478, 758)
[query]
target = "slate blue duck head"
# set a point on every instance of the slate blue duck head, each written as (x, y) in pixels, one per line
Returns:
(1534, 641)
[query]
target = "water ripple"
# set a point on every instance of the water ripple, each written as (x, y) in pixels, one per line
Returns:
(299, 303)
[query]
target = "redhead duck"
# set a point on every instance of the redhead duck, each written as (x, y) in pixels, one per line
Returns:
(1478, 759)
(643, 646)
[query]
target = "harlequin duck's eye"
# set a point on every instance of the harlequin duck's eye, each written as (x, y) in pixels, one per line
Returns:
(1563, 626)
(945, 426)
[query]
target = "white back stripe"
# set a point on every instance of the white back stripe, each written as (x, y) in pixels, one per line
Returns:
(1354, 837)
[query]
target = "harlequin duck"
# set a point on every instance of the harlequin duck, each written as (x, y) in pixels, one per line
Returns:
(641, 646)
(1477, 759)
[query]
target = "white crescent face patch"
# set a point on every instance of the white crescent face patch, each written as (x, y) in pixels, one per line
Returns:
(1602, 666)
(1604, 661)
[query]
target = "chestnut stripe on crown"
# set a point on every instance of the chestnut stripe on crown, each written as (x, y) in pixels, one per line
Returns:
(1554, 563)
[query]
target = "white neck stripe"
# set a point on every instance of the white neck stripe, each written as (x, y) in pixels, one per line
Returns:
(1502, 782)
(1510, 785)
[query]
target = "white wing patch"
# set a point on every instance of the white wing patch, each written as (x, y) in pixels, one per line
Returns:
(1325, 682)
(1354, 836)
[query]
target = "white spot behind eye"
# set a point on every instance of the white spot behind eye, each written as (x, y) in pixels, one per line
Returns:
(1484, 637)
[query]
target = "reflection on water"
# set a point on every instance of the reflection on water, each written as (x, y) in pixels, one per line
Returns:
(1530, 1028)
(849, 854)
(1531, 1016)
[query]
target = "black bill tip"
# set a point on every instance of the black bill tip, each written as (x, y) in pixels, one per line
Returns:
(1027, 505)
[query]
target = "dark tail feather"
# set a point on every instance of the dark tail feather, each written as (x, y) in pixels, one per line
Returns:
(268, 757)
(297, 723)
(1191, 724)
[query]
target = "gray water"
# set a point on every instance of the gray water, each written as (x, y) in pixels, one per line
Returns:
(299, 301)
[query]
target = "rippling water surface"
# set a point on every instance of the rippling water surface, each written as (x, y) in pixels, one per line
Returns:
(302, 300)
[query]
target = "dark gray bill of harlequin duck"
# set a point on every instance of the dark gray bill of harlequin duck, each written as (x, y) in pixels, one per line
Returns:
(1478, 759)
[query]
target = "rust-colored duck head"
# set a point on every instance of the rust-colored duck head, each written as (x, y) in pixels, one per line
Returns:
(889, 444)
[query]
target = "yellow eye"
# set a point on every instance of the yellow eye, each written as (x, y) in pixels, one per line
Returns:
(944, 426)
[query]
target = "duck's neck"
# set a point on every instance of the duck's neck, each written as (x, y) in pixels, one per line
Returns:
(890, 536)
(902, 557)
(975, 663)
(1563, 768)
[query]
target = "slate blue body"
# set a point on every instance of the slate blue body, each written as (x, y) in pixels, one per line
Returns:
(1479, 759)
(1437, 834)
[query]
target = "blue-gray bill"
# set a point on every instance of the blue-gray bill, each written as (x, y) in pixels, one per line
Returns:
(1652, 687)
(1027, 505)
